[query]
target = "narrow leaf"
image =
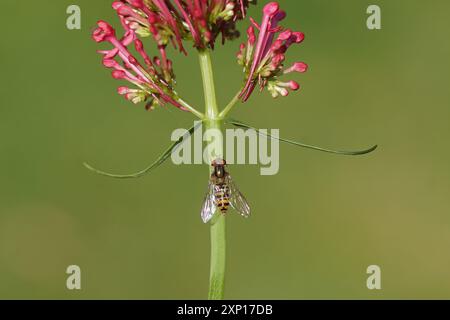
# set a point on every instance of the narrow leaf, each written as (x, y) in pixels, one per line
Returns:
(161, 159)
(240, 124)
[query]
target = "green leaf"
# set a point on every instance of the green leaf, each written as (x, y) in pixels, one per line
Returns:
(240, 124)
(161, 159)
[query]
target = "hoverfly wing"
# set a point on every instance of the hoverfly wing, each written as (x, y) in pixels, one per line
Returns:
(237, 199)
(209, 204)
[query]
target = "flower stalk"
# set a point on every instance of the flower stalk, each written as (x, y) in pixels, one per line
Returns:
(223, 114)
(209, 89)
(218, 230)
(218, 259)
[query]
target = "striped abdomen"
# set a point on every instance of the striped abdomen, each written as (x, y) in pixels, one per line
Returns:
(222, 196)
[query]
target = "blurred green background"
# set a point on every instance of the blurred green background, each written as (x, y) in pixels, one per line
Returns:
(317, 225)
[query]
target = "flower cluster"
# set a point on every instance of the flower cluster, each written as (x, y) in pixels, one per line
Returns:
(154, 79)
(172, 21)
(263, 57)
(202, 22)
(167, 21)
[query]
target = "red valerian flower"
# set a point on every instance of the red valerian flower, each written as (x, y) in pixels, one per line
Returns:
(172, 21)
(167, 21)
(263, 57)
(154, 80)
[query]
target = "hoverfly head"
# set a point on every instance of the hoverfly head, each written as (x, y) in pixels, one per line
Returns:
(219, 167)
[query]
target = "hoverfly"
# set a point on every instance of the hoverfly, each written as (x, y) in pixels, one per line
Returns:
(222, 192)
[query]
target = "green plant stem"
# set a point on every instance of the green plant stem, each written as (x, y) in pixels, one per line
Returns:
(188, 107)
(218, 250)
(230, 106)
(218, 236)
(209, 89)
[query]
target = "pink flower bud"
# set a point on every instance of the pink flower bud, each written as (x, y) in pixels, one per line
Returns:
(251, 35)
(293, 85)
(117, 4)
(110, 63)
(278, 59)
(133, 60)
(299, 37)
(284, 92)
(138, 45)
(240, 54)
(123, 90)
(124, 10)
(128, 38)
(139, 4)
(103, 32)
(271, 8)
(109, 54)
(285, 35)
(277, 45)
(300, 67)
(119, 74)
